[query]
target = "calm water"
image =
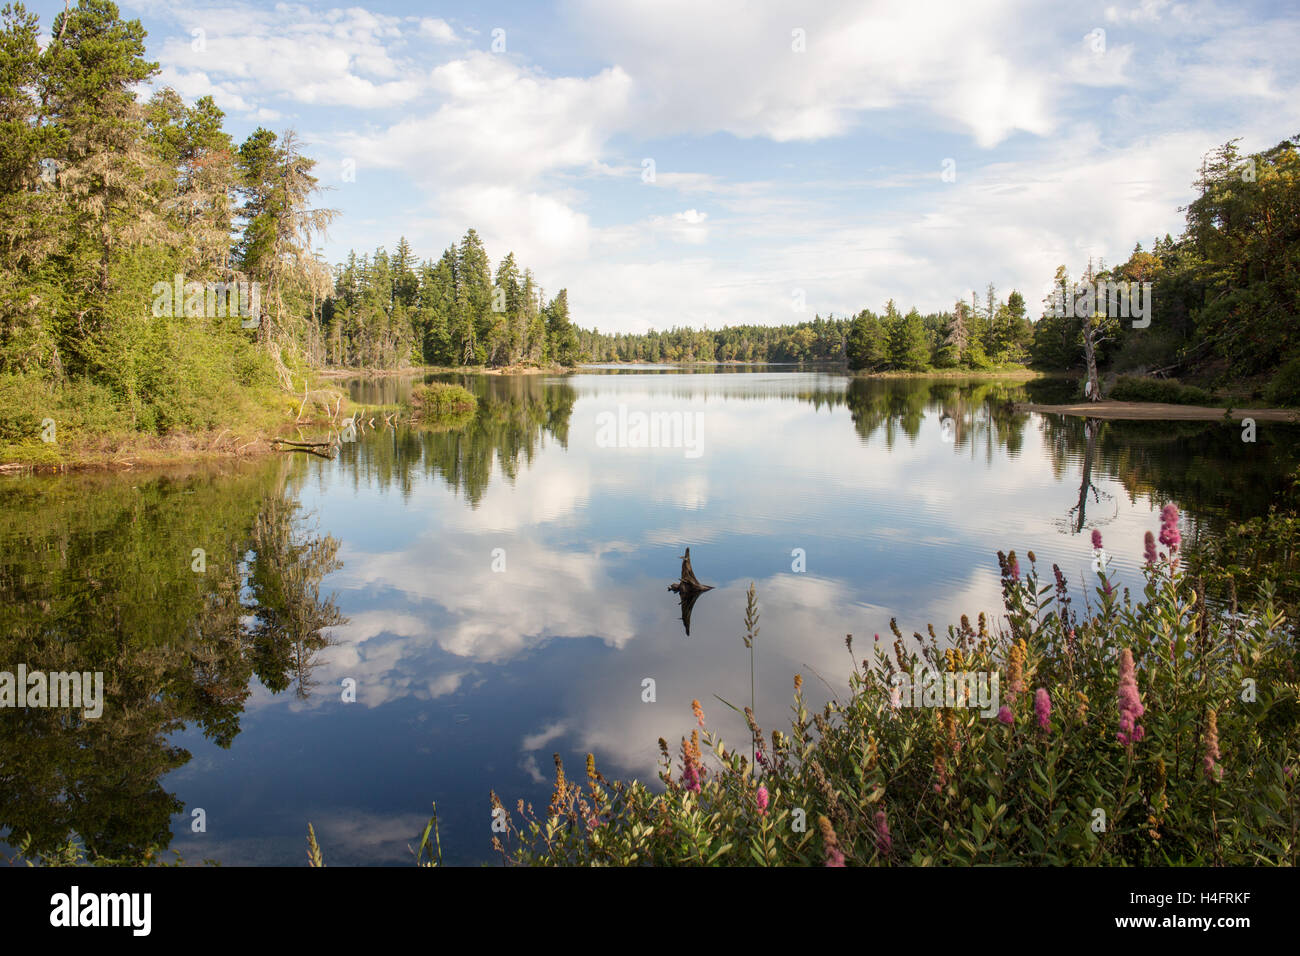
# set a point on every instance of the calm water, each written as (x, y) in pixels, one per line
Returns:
(498, 593)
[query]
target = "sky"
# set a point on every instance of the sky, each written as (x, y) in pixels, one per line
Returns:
(706, 164)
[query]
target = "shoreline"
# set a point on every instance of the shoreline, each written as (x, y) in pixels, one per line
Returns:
(334, 372)
(1023, 374)
(1160, 412)
(154, 451)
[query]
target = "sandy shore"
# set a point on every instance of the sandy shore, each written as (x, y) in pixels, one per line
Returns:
(1160, 412)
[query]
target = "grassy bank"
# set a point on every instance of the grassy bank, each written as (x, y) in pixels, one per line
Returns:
(213, 412)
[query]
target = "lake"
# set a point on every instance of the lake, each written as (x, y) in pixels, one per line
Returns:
(496, 594)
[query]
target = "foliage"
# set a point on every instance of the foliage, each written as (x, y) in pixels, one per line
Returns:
(1262, 548)
(1058, 777)
(1142, 389)
(436, 400)
(106, 204)
(1226, 293)
(1285, 387)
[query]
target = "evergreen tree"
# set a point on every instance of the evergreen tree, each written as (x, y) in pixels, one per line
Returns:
(908, 348)
(562, 341)
(867, 345)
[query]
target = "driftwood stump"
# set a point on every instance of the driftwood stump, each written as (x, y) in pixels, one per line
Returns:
(689, 581)
(690, 589)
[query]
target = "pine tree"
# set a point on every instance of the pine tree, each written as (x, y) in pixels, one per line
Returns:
(867, 345)
(507, 325)
(908, 348)
(562, 343)
(473, 300)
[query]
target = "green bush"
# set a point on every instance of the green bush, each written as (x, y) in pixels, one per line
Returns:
(437, 400)
(1135, 389)
(1285, 387)
(21, 411)
(1204, 772)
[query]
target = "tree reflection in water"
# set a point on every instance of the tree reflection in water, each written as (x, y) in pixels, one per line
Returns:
(96, 575)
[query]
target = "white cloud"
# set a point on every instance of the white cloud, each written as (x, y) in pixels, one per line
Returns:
(437, 29)
(500, 122)
(732, 66)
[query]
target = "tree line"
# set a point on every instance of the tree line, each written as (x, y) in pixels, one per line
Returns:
(386, 311)
(974, 335)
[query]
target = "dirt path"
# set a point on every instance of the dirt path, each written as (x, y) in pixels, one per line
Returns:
(1160, 412)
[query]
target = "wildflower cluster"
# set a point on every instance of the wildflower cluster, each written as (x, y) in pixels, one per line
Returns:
(1180, 722)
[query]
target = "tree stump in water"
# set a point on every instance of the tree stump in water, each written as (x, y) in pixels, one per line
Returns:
(689, 581)
(690, 588)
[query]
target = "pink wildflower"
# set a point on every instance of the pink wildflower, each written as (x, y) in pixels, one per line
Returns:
(834, 856)
(1043, 708)
(1169, 534)
(884, 842)
(691, 776)
(1004, 714)
(1212, 747)
(761, 799)
(1150, 542)
(1130, 704)
(1096, 540)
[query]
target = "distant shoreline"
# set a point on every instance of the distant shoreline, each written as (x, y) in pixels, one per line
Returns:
(336, 372)
(1024, 374)
(1160, 412)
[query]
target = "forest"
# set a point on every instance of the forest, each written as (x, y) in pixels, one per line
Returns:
(108, 201)
(103, 199)
(387, 311)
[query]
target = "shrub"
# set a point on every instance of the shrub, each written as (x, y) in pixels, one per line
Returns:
(439, 400)
(1123, 737)
(1134, 389)
(1285, 387)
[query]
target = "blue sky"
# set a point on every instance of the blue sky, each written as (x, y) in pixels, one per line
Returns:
(1073, 130)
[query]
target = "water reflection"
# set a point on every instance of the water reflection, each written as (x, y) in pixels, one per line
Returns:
(100, 573)
(496, 591)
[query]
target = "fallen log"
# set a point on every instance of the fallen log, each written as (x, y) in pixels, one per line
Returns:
(302, 444)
